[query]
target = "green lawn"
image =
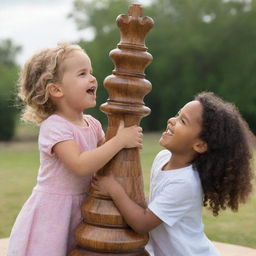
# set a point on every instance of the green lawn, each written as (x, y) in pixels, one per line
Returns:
(18, 169)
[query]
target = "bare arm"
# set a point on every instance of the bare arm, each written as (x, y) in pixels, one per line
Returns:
(140, 219)
(84, 163)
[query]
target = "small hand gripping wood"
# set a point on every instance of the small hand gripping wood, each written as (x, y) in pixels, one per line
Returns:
(103, 231)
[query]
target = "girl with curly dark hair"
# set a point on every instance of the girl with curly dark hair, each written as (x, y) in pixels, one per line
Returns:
(206, 162)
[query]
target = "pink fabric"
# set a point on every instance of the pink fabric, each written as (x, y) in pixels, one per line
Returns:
(45, 226)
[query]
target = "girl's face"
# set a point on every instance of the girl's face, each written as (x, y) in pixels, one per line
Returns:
(182, 133)
(78, 84)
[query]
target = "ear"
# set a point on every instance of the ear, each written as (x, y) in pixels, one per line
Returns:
(200, 146)
(55, 90)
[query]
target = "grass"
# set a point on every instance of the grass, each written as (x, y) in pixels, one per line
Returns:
(150, 148)
(17, 177)
(20, 160)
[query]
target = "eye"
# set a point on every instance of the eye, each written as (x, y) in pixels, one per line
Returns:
(82, 74)
(182, 120)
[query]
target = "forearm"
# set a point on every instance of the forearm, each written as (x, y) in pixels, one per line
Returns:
(134, 215)
(140, 219)
(83, 163)
(93, 160)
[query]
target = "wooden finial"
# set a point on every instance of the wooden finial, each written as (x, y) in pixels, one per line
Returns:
(135, 10)
(133, 28)
(103, 230)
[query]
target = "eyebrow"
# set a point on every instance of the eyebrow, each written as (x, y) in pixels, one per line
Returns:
(84, 69)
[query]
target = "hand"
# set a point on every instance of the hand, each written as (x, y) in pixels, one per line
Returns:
(105, 185)
(130, 137)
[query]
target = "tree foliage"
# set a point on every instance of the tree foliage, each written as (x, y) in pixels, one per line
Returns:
(196, 44)
(8, 77)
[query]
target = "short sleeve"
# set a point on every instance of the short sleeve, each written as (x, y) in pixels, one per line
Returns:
(173, 202)
(52, 131)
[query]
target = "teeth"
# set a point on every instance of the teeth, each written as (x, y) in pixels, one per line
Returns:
(169, 132)
(91, 90)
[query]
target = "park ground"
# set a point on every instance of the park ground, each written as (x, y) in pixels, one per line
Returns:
(18, 170)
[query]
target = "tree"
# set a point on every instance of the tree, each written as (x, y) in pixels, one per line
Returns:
(8, 75)
(202, 45)
(196, 44)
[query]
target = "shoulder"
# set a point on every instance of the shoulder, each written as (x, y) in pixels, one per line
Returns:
(54, 129)
(184, 183)
(164, 153)
(187, 178)
(55, 125)
(162, 156)
(174, 195)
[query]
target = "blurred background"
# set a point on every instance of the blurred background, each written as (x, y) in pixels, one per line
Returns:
(196, 45)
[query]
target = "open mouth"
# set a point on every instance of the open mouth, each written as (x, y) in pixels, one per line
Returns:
(92, 90)
(168, 131)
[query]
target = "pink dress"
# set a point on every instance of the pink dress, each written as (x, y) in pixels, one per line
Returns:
(45, 226)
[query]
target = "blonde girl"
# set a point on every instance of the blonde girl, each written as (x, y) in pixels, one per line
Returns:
(57, 86)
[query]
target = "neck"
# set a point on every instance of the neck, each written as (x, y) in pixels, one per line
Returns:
(177, 162)
(73, 117)
(69, 113)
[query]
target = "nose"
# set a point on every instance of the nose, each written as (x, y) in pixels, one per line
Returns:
(172, 121)
(93, 78)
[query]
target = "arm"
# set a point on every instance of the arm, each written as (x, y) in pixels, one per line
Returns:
(84, 163)
(140, 219)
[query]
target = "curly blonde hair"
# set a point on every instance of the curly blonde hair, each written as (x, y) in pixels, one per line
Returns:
(38, 73)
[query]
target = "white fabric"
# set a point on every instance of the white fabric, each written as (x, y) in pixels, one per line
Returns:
(176, 198)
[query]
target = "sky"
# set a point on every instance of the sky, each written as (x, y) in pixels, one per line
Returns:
(38, 24)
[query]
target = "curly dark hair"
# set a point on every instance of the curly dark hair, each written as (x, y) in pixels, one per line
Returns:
(225, 169)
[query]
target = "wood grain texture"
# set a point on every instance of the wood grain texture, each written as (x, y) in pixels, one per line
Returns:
(103, 230)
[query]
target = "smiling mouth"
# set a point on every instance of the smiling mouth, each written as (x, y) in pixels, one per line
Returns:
(92, 90)
(168, 131)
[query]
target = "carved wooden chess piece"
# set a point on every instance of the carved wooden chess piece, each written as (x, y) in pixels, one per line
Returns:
(103, 230)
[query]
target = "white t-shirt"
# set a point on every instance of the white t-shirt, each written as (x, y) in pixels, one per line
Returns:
(176, 198)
